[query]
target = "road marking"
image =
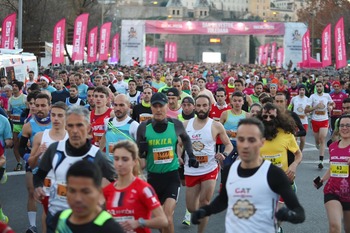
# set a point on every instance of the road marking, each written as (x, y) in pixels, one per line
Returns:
(310, 144)
(15, 173)
(314, 161)
(310, 149)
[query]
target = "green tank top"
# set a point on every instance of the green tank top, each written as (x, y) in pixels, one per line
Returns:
(161, 156)
(255, 99)
(62, 220)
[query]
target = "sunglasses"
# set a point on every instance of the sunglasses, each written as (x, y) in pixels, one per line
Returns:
(267, 116)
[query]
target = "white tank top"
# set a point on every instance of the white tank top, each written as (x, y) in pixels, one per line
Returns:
(203, 146)
(48, 141)
(251, 202)
(61, 163)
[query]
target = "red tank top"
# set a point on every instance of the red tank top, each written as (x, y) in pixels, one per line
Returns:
(97, 125)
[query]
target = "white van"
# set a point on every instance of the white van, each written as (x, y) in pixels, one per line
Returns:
(15, 64)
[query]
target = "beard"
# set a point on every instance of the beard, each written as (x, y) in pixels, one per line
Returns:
(202, 115)
(271, 129)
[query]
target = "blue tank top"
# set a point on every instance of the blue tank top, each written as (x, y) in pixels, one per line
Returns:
(115, 134)
(36, 128)
(231, 123)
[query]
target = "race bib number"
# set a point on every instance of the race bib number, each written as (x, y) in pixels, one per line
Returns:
(339, 169)
(302, 116)
(216, 118)
(145, 117)
(47, 185)
(274, 159)
(62, 191)
(320, 112)
(110, 149)
(231, 134)
(163, 155)
(96, 139)
(202, 160)
(337, 112)
(15, 118)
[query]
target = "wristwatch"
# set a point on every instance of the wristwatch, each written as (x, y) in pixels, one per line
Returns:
(142, 222)
(225, 154)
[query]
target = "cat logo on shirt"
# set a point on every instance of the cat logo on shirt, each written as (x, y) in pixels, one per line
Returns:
(243, 209)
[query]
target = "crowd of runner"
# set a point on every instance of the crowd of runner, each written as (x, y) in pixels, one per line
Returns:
(180, 124)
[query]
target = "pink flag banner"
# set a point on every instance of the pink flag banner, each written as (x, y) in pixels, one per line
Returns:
(175, 52)
(8, 31)
(155, 55)
(171, 52)
(306, 47)
(149, 56)
(266, 54)
(58, 42)
(280, 56)
(340, 49)
(166, 51)
(115, 48)
(261, 53)
(105, 34)
(80, 30)
(326, 46)
(92, 45)
(273, 52)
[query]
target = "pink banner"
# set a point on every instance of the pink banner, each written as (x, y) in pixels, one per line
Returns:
(261, 52)
(326, 46)
(8, 31)
(92, 45)
(172, 52)
(306, 46)
(214, 28)
(148, 55)
(105, 34)
(115, 48)
(340, 49)
(175, 52)
(266, 54)
(58, 42)
(80, 29)
(280, 56)
(273, 52)
(166, 51)
(155, 55)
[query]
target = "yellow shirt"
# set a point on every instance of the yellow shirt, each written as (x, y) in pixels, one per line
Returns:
(276, 149)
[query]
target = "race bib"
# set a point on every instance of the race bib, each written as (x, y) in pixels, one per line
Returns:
(337, 112)
(62, 191)
(320, 112)
(145, 117)
(47, 185)
(96, 139)
(216, 118)
(163, 155)
(302, 116)
(274, 159)
(15, 118)
(202, 160)
(231, 134)
(339, 169)
(123, 218)
(110, 149)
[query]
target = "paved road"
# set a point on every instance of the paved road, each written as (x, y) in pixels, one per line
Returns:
(13, 196)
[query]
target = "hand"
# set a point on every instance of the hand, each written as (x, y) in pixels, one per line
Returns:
(284, 214)
(219, 157)
(192, 162)
(39, 194)
(42, 148)
(291, 171)
(129, 225)
(181, 161)
(197, 215)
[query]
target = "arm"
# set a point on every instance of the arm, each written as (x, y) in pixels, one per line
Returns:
(37, 150)
(223, 117)
(302, 131)
(249, 100)
(103, 142)
(26, 133)
(2, 160)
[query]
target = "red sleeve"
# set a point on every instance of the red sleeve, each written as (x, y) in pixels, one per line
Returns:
(149, 197)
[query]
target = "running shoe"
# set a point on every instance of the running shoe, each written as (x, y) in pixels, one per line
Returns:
(4, 219)
(320, 165)
(187, 219)
(280, 230)
(32, 229)
(4, 178)
(18, 167)
(317, 146)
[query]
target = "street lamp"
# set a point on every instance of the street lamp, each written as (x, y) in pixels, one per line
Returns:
(20, 17)
(103, 3)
